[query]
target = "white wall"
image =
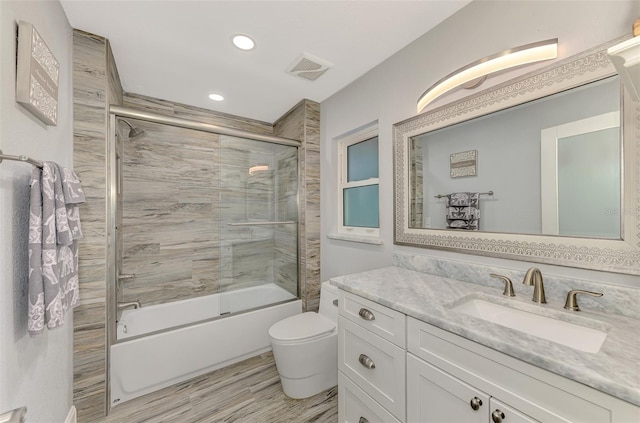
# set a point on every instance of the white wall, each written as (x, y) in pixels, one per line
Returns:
(389, 93)
(34, 371)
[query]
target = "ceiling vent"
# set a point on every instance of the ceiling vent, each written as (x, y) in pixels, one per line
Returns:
(309, 67)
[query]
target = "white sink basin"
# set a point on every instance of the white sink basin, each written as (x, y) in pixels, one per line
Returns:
(570, 334)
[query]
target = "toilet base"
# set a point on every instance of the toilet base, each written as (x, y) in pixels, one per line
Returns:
(308, 386)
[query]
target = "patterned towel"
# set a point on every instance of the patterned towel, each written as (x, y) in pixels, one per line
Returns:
(54, 228)
(463, 210)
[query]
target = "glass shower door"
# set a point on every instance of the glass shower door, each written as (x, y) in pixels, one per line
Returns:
(258, 223)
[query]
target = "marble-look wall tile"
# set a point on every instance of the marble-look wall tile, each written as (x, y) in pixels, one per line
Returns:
(176, 214)
(312, 203)
(169, 219)
(616, 299)
(302, 122)
(91, 91)
(183, 111)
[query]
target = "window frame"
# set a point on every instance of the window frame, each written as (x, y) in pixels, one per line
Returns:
(367, 133)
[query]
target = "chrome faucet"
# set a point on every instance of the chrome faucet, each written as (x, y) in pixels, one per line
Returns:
(134, 304)
(534, 277)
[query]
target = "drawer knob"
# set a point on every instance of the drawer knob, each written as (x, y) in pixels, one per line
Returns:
(497, 416)
(476, 403)
(363, 420)
(366, 361)
(366, 314)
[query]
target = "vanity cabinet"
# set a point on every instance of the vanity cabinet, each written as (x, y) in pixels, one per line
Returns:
(371, 361)
(393, 368)
(446, 372)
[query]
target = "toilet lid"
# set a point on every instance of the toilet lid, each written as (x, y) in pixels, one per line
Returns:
(301, 327)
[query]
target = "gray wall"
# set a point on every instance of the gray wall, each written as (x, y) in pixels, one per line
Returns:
(34, 371)
(389, 93)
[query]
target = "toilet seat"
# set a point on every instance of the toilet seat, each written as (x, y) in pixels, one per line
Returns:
(303, 327)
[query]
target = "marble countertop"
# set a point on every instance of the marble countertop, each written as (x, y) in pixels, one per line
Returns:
(615, 369)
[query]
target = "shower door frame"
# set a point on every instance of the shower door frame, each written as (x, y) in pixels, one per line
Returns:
(113, 182)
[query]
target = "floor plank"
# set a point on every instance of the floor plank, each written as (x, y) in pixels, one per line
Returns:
(246, 392)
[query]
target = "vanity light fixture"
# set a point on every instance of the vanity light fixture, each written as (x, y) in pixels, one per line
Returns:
(216, 97)
(243, 42)
(475, 73)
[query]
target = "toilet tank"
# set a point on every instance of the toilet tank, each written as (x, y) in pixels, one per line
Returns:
(329, 294)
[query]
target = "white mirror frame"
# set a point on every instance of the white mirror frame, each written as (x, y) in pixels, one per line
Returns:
(619, 256)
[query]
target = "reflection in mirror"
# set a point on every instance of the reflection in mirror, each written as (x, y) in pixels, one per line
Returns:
(553, 164)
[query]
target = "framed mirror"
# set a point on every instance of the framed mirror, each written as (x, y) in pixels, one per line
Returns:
(544, 168)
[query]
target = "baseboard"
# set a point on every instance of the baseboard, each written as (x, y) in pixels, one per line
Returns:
(72, 416)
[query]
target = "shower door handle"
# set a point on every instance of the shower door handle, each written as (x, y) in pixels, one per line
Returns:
(127, 276)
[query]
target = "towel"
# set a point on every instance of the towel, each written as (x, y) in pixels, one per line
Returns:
(463, 210)
(54, 228)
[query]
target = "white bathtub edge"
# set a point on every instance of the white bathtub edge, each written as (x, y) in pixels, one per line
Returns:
(147, 364)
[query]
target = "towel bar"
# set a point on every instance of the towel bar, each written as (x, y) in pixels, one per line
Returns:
(23, 158)
(289, 222)
(446, 195)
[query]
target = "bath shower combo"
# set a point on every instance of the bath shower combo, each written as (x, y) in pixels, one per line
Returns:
(203, 254)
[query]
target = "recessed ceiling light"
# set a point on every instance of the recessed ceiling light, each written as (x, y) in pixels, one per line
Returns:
(243, 42)
(216, 97)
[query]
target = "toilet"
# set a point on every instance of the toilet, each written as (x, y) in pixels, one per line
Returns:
(305, 347)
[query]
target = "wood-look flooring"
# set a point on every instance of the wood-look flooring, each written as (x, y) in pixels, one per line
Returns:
(246, 392)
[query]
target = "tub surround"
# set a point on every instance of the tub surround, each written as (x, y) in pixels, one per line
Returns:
(430, 297)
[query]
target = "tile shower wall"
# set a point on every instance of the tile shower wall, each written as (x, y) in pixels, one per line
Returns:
(177, 239)
(170, 222)
(302, 122)
(96, 84)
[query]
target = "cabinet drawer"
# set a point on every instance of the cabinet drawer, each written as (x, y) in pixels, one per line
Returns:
(374, 364)
(381, 320)
(537, 393)
(355, 406)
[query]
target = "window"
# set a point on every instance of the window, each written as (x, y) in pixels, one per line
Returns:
(358, 183)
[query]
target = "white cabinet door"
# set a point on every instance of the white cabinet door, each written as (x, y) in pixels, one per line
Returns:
(434, 396)
(502, 413)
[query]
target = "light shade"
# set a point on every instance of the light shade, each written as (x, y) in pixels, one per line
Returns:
(216, 97)
(530, 53)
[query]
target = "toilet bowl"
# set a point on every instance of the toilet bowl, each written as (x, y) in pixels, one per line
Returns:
(305, 347)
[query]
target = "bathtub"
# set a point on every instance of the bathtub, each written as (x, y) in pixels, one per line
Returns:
(160, 345)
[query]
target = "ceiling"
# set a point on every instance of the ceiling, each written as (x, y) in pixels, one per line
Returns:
(181, 50)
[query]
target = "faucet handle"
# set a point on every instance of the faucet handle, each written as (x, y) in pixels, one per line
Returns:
(508, 286)
(572, 301)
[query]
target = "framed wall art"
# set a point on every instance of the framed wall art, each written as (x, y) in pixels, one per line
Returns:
(463, 164)
(37, 75)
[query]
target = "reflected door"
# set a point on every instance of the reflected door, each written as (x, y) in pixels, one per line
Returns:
(581, 181)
